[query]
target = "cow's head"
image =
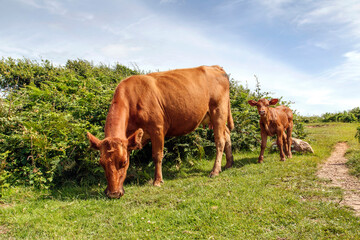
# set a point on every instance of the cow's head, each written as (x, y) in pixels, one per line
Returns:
(114, 158)
(263, 105)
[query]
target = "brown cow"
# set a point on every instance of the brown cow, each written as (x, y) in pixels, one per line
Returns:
(274, 121)
(172, 103)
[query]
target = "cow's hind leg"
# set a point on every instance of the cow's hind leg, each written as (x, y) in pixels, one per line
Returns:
(286, 148)
(289, 138)
(228, 152)
(219, 123)
(157, 142)
(280, 144)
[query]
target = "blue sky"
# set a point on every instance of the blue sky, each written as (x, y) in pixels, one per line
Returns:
(306, 51)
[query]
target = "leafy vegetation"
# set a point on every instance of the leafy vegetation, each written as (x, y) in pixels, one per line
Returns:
(274, 200)
(352, 115)
(354, 163)
(45, 113)
(354, 157)
(357, 135)
(46, 110)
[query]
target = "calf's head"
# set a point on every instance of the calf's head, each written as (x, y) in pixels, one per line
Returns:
(263, 105)
(114, 158)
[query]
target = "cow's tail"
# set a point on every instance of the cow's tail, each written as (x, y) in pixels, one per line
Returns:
(230, 120)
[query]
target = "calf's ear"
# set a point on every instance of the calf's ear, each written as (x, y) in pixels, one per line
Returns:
(134, 141)
(273, 101)
(252, 103)
(94, 141)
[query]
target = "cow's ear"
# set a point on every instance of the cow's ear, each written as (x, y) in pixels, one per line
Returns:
(273, 101)
(94, 141)
(252, 103)
(134, 141)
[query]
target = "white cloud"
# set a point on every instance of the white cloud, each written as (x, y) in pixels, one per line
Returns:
(57, 7)
(53, 6)
(6, 50)
(339, 16)
(346, 73)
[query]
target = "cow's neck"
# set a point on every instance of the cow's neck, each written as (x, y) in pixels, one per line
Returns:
(116, 121)
(266, 121)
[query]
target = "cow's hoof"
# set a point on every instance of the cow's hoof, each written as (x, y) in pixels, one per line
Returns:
(260, 161)
(213, 174)
(283, 159)
(229, 165)
(158, 183)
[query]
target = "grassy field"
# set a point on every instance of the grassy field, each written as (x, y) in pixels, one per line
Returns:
(274, 200)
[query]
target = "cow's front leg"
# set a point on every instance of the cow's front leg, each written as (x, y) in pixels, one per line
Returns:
(285, 142)
(280, 145)
(157, 141)
(263, 146)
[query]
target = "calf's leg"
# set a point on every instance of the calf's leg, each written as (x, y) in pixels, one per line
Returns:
(289, 138)
(286, 148)
(263, 146)
(280, 145)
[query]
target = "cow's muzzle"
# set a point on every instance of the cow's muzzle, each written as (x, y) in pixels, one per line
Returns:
(117, 195)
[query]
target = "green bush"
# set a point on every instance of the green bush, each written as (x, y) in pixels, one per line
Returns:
(354, 160)
(345, 116)
(357, 135)
(45, 113)
(46, 110)
(352, 115)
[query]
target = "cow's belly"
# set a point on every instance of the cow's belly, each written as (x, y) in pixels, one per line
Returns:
(181, 124)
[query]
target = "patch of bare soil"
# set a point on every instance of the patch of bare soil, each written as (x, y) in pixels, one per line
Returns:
(335, 170)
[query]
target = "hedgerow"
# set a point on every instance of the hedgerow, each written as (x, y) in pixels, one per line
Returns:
(352, 115)
(46, 110)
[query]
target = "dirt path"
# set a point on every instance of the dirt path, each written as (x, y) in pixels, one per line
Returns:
(336, 170)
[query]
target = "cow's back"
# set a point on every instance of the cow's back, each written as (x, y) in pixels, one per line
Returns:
(285, 115)
(176, 100)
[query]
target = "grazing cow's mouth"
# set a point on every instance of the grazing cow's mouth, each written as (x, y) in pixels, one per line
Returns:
(115, 195)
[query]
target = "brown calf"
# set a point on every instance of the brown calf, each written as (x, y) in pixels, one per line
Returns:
(274, 121)
(172, 103)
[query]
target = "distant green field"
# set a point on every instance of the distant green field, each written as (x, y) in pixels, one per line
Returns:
(273, 200)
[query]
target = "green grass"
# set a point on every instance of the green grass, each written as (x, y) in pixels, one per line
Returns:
(274, 200)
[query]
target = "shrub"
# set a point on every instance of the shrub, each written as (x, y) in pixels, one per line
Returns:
(357, 135)
(45, 113)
